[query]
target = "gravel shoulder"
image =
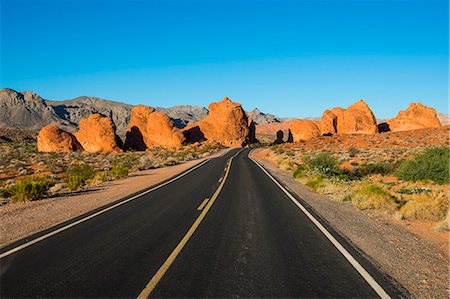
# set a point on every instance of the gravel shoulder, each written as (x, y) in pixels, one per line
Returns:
(417, 265)
(23, 219)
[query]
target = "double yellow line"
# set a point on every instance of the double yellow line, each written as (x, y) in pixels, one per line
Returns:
(145, 293)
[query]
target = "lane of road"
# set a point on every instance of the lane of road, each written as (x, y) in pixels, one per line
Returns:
(113, 254)
(254, 242)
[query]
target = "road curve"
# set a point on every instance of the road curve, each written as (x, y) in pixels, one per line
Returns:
(252, 242)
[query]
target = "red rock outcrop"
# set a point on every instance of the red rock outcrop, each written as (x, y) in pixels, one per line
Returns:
(328, 125)
(273, 128)
(356, 119)
(98, 134)
(149, 129)
(280, 136)
(162, 132)
(416, 116)
(252, 130)
(53, 139)
(304, 129)
(226, 123)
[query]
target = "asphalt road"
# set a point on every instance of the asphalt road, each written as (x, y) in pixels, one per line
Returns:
(252, 242)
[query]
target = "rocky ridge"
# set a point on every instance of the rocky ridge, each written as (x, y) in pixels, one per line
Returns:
(27, 110)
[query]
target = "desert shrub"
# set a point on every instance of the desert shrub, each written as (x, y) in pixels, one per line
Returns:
(315, 182)
(171, 161)
(30, 189)
(369, 196)
(413, 190)
(374, 168)
(97, 179)
(79, 174)
(433, 165)
(286, 164)
(207, 148)
(103, 177)
(353, 151)
(119, 171)
(278, 150)
(298, 172)
(289, 153)
(426, 207)
(84, 171)
(74, 182)
(323, 163)
(130, 161)
(339, 191)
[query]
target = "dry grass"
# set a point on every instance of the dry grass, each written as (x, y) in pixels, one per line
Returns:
(368, 196)
(426, 207)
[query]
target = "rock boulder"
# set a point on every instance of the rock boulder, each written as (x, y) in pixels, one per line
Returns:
(416, 116)
(227, 124)
(304, 129)
(98, 134)
(162, 132)
(149, 128)
(53, 139)
(356, 119)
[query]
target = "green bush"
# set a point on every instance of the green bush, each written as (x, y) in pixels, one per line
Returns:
(323, 163)
(374, 168)
(119, 171)
(30, 189)
(75, 182)
(432, 165)
(79, 174)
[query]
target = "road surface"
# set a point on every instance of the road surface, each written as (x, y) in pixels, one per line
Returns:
(224, 229)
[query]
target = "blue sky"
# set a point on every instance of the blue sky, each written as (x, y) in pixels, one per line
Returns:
(290, 58)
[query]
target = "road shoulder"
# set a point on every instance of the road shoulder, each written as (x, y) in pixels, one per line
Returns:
(417, 266)
(20, 220)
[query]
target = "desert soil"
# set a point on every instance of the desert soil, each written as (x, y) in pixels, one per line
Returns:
(23, 219)
(410, 252)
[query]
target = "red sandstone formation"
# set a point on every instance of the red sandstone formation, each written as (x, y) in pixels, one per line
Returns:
(304, 129)
(53, 139)
(149, 129)
(98, 134)
(356, 119)
(417, 116)
(226, 123)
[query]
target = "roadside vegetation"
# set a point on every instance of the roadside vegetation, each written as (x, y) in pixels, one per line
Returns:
(413, 184)
(26, 174)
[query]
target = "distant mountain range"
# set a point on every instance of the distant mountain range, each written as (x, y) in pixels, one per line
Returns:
(27, 110)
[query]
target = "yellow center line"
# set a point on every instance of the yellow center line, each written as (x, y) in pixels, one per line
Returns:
(203, 204)
(145, 293)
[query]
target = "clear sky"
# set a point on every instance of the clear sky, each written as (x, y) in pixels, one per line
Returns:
(290, 58)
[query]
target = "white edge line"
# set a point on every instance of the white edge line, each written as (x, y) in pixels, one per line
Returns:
(20, 247)
(368, 278)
